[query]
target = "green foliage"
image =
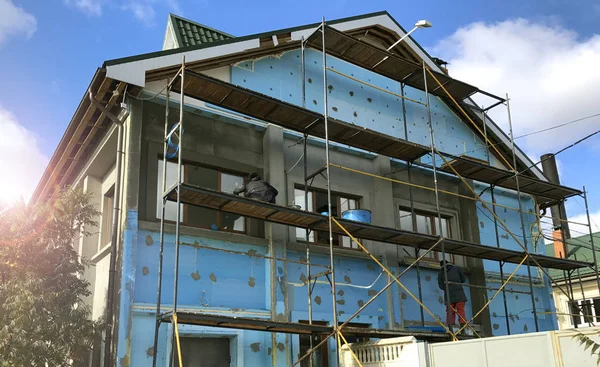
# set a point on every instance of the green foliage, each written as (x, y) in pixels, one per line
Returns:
(43, 321)
(588, 343)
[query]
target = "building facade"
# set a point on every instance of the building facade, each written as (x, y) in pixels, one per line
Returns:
(235, 266)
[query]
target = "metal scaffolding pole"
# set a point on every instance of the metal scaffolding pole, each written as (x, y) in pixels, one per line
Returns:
(307, 232)
(178, 185)
(414, 225)
(587, 213)
(162, 226)
(500, 263)
(435, 185)
(395, 280)
(328, 174)
(572, 302)
(512, 141)
(412, 209)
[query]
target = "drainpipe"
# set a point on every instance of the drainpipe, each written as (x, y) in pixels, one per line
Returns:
(108, 355)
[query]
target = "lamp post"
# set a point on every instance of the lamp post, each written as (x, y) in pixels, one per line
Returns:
(418, 25)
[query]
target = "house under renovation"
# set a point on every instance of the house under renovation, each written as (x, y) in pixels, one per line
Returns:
(384, 166)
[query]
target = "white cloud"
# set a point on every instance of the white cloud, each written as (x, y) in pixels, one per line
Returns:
(90, 7)
(581, 230)
(15, 20)
(143, 10)
(21, 160)
(551, 74)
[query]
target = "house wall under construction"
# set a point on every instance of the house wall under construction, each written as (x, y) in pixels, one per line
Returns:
(219, 148)
(249, 268)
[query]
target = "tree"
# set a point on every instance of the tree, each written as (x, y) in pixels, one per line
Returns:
(43, 321)
(588, 343)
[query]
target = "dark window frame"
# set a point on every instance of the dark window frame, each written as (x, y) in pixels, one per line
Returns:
(220, 171)
(433, 224)
(339, 196)
(108, 201)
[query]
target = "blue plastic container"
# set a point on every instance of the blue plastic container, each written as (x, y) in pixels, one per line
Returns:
(433, 329)
(358, 215)
(325, 213)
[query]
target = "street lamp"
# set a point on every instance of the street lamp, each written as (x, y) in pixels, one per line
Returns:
(420, 24)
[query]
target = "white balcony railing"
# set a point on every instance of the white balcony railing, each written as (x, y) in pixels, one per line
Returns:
(394, 352)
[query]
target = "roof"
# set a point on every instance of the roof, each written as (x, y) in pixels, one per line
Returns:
(582, 248)
(219, 49)
(190, 33)
(155, 54)
(499, 138)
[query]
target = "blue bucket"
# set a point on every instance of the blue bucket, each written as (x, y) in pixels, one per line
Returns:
(325, 214)
(431, 329)
(358, 215)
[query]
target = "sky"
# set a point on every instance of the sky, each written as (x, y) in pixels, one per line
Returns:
(545, 54)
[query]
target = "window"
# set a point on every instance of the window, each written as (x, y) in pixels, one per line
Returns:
(320, 356)
(206, 177)
(426, 223)
(318, 200)
(107, 216)
(214, 352)
(588, 311)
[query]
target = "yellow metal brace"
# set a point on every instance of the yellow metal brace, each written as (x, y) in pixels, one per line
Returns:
(177, 339)
(495, 294)
(394, 278)
(469, 118)
(340, 335)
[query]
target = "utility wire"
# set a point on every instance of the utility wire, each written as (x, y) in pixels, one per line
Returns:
(591, 219)
(537, 132)
(148, 98)
(557, 126)
(562, 150)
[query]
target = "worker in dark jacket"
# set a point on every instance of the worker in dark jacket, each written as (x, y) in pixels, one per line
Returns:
(456, 299)
(257, 188)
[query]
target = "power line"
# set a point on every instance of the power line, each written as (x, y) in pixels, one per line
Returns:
(537, 132)
(585, 211)
(147, 98)
(562, 150)
(557, 126)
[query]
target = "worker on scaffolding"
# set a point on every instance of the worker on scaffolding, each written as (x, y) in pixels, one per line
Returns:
(455, 298)
(257, 188)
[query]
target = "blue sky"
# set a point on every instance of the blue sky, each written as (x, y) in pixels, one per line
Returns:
(51, 49)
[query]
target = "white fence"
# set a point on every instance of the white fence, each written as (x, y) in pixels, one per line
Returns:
(545, 349)
(395, 352)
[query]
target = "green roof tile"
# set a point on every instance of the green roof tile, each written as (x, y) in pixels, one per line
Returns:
(580, 247)
(189, 33)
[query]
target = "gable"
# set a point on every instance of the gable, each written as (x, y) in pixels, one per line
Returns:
(219, 49)
(188, 33)
(375, 103)
(379, 27)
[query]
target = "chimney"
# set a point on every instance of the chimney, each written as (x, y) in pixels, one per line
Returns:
(560, 231)
(442, 64)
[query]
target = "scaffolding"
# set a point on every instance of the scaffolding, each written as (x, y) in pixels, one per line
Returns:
(188, 83)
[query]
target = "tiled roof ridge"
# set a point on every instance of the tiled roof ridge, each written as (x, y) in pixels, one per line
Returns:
(190, 33)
